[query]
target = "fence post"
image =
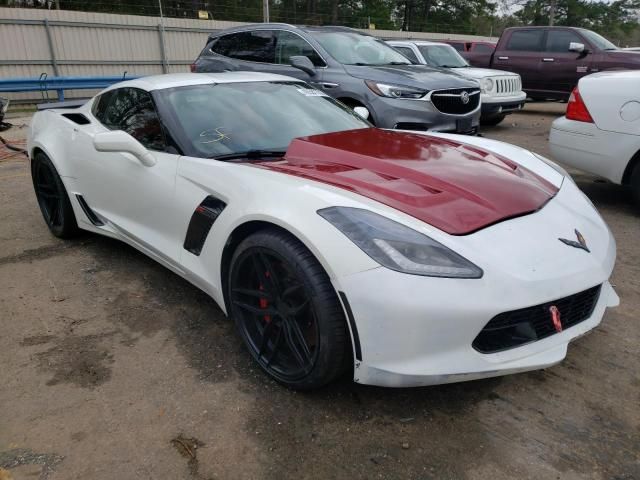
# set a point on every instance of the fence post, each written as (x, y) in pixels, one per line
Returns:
(163, 51)
(52, 51)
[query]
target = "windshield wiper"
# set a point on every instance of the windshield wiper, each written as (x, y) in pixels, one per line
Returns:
(250, 155)
(398, 63)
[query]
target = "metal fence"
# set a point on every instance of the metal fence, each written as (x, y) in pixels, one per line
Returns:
(69, 43)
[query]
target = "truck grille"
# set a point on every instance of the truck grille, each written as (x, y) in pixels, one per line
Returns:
(452, 101)
(515, 328)
(506, 86)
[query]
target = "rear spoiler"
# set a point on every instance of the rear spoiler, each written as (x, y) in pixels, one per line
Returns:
(69, 104)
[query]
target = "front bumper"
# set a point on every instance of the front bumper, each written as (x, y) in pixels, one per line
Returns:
(421, 115)
(416, 331)
(584, 146)
(492, 106)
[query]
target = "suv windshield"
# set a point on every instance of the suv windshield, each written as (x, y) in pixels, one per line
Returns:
(350, 48)
(235, 118)
(442, 56)
(598, 40)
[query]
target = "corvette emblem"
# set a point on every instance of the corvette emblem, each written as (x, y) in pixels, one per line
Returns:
(555, 318)
(464, 97)
(581, 243)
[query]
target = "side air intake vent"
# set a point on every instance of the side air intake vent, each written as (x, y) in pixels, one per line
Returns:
(91, 215)
(201, 221)
(78, 118)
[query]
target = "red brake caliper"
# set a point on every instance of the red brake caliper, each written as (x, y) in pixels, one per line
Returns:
(264, 303)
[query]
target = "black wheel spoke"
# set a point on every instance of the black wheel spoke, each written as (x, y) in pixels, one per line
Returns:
(272, 277)
(301, 307)
(266, 335)
(276, 346)
(297, 344)
(252, 292)
(292, 289)
(255, 310)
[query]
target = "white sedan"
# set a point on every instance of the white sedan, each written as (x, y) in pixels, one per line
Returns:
(600, 132)
(406, 259)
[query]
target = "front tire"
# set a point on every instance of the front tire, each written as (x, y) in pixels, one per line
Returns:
(286, 310)
(52, 198)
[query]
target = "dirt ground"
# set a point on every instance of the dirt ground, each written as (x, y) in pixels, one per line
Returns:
(111, 367)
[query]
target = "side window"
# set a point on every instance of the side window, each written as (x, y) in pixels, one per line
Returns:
(559, 40)
(253, 46)
(289, 45)
(482, 48)
(459, 46)
(407, 52)
(100, 105)
(132, 110)
(526, 40)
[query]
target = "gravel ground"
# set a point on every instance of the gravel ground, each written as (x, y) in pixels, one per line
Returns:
(115, 368)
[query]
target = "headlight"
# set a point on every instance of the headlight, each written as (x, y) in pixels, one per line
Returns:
(397, 247)
(555, 166)
(486, 85)
(394, 91)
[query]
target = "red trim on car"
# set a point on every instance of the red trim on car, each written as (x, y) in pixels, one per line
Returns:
(455, 187)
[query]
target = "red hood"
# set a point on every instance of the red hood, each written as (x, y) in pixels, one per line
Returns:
(455, 187)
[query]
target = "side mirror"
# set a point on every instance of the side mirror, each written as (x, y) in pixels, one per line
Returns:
(303, 63)
(362, 112)
(576, 47)
(122, 142)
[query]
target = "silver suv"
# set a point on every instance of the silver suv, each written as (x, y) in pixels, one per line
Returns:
(357, 69)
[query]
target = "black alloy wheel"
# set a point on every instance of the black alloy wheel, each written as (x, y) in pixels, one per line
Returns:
(52, 198)
(286, 310)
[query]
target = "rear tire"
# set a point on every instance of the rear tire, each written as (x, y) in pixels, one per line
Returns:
(492, 121)
(52, 198)
(287, 311)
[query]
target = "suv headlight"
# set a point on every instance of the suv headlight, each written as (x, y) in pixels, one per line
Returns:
(398, 247)
(394, 91)
(486, 85)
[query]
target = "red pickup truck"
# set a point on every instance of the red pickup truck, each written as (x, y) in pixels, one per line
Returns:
(551, 60)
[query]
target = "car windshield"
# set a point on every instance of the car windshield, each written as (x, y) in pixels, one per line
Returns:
(442, 56)
(236, 118)
(598, 40)
(350, 48)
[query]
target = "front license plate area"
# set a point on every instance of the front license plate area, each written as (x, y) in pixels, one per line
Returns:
(464, 125)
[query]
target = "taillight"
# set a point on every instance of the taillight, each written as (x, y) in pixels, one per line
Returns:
(576, 109)
(193, 68)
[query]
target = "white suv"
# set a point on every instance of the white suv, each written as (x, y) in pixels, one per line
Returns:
(501, 92)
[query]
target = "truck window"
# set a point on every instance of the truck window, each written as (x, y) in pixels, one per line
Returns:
(482, 48)
(526, 40)
(559, 40)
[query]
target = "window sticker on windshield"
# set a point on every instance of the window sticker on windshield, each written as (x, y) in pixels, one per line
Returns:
(214, 135)
(312, 92)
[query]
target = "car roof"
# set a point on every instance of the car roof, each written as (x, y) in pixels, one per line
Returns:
(171, 80)
(304, 28)
(417, 42)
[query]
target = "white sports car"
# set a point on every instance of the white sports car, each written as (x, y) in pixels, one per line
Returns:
(407, 258)
(600, 132)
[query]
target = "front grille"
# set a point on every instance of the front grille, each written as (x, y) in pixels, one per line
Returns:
(506, 86)
(515, 328)
(450, 101)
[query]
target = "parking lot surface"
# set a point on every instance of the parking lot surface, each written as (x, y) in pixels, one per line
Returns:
(112, 367)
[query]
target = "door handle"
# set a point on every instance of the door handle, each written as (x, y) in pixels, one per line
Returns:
(330, 85)
(503, 58)
(548, 59)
